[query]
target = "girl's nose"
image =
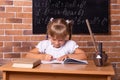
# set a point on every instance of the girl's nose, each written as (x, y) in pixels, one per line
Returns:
(57, 42)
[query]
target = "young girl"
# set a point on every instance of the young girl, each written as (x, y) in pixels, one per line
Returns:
(58, 45)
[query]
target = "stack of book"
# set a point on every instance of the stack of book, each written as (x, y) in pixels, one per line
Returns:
(25, 62)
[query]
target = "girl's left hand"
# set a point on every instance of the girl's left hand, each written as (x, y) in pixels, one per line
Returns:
(62, 58)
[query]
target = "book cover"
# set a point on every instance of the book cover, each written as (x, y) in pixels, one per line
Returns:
(66, 61)
(25, 62)
(75, 61)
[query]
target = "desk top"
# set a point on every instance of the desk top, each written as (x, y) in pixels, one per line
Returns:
(90, 68)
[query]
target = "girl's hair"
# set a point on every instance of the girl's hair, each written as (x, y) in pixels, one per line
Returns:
(59, 28)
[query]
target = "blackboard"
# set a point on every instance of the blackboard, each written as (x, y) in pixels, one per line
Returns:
(96, 11)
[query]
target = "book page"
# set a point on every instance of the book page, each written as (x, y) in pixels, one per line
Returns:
(66, 61)
(52, 62)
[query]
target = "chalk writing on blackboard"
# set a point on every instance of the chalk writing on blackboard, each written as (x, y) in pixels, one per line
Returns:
(96, 11)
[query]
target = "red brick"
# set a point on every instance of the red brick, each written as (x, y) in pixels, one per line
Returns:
(6, 2)
(113, 54)
(5, 38)
(115, 11)
(1, 55)
(29, 44)
(2, 8)
(5, 49)
(13, 32)
(115, 27)
(85, 38)
(27, 21)
(13, 9)
(13, 20)
(23, 3)
(115, 49)
(21, 49)
(21, 38)
(114, 1)
(112, 43)
(1, 32)
(117, 70)
(115, 32)
(11, 55)
(76, 38)
(91, 43)
(27, 32)
(5, 26)
(116, 17)
(24, 15)
(1, 44)
(114, 59)
(12, 44)
(118, 1)
(22, 26)
(106, 49)
(80, 43)
(115, 6)
(38, 38)
(2, 20)
(117, 77)
(118, 65)
(6, 15)
(115, 38)
(27, 9)
(116, 22)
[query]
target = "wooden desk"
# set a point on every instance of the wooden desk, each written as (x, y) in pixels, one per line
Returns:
(58, 72)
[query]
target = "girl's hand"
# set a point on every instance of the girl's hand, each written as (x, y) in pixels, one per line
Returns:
(62, 58)
(48, 57)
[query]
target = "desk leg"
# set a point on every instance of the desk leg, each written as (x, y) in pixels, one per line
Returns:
(109, 78)
(4, 75)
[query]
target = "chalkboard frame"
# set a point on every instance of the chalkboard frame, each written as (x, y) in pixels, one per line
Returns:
(99, 11)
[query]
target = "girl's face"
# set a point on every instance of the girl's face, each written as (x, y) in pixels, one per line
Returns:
(57, 42)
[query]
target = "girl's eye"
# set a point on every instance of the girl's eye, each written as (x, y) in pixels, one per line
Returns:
(61, 40)
(54, 39)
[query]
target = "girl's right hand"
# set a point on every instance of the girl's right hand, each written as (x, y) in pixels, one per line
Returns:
(48, 57)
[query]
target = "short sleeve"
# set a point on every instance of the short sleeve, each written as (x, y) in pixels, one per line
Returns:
(72, 45)
(42, 46)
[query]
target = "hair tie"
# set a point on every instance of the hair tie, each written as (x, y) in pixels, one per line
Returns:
(51, 19)
(67, 21)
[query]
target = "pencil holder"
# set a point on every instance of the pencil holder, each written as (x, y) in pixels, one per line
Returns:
(100, 60)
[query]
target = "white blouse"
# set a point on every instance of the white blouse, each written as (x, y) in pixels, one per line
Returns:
(46, 47)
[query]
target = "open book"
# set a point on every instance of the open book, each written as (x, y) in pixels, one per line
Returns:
(25, 62)
(66, 61)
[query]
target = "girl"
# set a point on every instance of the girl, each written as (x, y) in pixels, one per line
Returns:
(58, 44)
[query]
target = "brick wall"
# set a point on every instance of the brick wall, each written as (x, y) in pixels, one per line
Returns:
(16, 37)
